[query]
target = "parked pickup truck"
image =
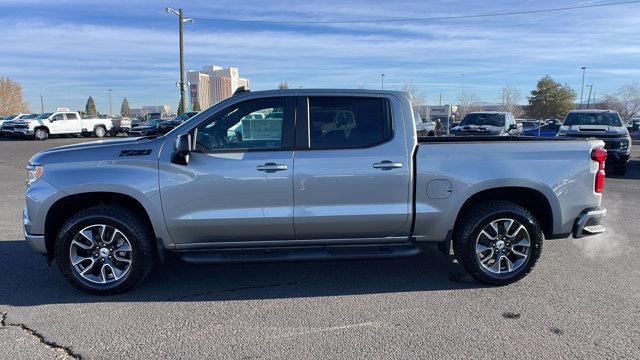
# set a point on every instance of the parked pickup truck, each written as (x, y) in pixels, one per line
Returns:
(266, 176)
(60, 122)
(605, 125)
(488, 123)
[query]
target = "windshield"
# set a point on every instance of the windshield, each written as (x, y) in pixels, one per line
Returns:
(483, 119)
(10, 117)
(608, 119)
(155, 122)
(31, 116)
(44, 116)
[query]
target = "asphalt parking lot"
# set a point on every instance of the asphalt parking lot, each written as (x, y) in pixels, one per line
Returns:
(581, 301)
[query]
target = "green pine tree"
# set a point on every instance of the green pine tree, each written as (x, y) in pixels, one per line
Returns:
(550, 99)
(124, 108)
(90, 108)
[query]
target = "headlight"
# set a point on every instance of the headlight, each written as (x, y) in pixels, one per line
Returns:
(624, 145)
(33, 173)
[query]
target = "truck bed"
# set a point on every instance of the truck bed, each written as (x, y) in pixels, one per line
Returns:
(480, 138)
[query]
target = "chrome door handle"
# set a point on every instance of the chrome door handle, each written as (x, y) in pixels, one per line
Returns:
(272, 167)
(387, 165)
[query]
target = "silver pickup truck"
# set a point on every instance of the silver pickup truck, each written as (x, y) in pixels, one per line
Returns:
(307, 175)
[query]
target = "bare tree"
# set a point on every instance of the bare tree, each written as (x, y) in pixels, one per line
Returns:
(418, 99)
(467, 102)
(283, 85)
(11, 99)
(626, 101)
(510, 101)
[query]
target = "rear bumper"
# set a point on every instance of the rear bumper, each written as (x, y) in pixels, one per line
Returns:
(589, 222)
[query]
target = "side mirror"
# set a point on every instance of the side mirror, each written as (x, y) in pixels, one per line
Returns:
(513, 126)
(181, 149)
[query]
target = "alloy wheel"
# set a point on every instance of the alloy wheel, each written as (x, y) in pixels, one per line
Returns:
(101, 254)
(503, 246)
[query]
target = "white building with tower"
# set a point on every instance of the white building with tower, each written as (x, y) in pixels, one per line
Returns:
(213, 84)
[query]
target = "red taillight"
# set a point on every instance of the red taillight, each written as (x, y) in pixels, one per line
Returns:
(599, 155)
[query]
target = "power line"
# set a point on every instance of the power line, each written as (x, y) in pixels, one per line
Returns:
(353, 21)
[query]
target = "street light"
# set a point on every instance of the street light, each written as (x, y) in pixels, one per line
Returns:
(181, 20)
(110, 112)
(382, 77)
(582, 89)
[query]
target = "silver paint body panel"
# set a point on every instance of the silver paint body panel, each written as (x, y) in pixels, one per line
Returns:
(324, 196)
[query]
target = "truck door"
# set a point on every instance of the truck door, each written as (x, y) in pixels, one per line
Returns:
(352, 170)
(238, 183)
(57, 124)
(72, 123)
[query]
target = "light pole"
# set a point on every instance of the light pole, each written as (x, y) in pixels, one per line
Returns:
(41, 104)
(181, 20)
(589, 97)
(110, 111)
(582, 89)
(462, 88)
(382, 77)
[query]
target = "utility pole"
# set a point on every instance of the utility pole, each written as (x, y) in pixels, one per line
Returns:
(582, 89)
(440, 103)
(41, 105)
(382, 77)
(181, 21)
(589, 97)
(110, 111)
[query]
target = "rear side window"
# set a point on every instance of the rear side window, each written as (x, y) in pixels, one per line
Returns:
(348, 122)
(71, 116)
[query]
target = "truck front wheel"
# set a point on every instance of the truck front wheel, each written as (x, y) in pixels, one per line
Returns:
(40, 134)
(104, 250)
(498, 242)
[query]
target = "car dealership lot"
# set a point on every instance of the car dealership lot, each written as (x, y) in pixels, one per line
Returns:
(582, 300)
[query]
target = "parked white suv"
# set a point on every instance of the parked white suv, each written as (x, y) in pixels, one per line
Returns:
(60, 122)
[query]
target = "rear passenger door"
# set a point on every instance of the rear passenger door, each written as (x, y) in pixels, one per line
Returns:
(352, 176)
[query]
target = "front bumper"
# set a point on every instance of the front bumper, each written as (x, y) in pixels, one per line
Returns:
(36, 242)
(617, 157)
(589, 222)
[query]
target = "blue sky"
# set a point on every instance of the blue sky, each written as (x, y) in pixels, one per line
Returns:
(67, 50)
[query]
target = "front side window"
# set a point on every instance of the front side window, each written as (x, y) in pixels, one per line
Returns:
(253, 124)
(348, 122)
(58, 117)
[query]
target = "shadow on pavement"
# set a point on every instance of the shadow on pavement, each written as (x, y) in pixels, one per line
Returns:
(28, 281)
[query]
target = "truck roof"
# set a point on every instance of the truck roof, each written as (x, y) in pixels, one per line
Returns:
(315, 91)
(592, 111)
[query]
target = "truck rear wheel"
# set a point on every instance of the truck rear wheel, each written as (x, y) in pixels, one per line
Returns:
(104, 250)
(100, 131)
(498, 242)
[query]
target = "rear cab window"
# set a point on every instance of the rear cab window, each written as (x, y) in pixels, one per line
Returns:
(348, 122)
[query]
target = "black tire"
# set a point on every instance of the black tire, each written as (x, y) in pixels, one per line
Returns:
(40, 134)
(620, 169)
(139, 235)
(482, 215)
(100, 131)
